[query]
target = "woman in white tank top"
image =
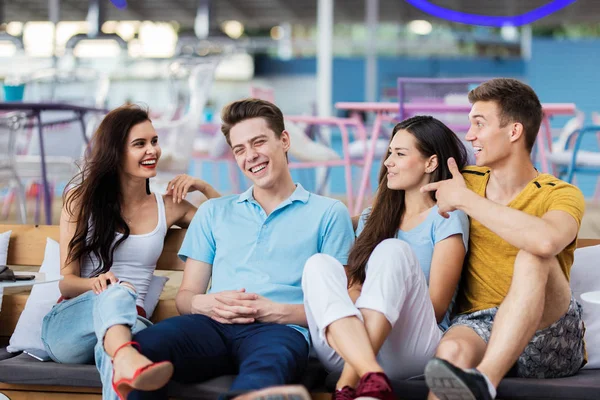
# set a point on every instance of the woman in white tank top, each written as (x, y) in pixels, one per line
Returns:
(111, 235)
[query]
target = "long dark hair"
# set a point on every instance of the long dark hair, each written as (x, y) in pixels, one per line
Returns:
(95, 200)
(433, 138)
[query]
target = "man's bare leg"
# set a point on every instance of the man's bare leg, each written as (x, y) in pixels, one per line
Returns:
(538, 296)
(462, 347)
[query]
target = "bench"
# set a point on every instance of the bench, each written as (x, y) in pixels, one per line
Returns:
(22, 377)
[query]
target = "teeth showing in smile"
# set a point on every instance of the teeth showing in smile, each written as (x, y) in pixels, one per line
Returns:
(258, 168)
(149, 162)
(477, 149)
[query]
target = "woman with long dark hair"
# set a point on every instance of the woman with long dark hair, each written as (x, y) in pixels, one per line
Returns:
(384, 314)
(112, 230)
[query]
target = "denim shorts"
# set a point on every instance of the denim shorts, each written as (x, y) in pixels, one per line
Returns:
(554, 352)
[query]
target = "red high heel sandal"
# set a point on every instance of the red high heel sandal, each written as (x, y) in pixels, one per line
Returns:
(150, 377)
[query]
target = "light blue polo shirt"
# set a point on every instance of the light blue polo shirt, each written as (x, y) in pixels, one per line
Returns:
(266, 254)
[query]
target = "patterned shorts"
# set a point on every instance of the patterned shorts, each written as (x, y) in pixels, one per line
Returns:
(554, 352)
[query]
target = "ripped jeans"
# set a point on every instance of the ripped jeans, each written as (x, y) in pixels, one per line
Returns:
(73, 331)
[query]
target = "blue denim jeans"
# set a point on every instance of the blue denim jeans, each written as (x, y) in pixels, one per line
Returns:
(200, 348)
(73, 331)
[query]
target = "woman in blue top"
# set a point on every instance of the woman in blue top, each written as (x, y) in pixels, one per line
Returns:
(384, 314)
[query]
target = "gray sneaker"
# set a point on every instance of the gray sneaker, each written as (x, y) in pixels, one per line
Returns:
(448, 382)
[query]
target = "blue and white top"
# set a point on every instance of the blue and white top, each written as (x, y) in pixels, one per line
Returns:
(423, 238)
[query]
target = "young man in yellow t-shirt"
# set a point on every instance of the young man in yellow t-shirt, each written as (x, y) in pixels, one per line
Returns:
(524, 228)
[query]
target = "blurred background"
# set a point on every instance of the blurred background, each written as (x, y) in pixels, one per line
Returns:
(342, 71)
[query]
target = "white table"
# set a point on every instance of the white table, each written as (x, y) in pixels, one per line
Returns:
(591, 297)
(40, 278)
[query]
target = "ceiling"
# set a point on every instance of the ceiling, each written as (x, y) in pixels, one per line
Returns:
(266, 13)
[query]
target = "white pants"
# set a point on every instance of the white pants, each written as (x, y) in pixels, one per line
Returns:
(395, 286)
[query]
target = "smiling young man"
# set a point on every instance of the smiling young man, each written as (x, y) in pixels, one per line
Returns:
(253, 246)
(524, 228)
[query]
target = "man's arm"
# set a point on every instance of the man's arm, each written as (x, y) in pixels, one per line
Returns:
(264, 310)
(196, 277)
(199, 244)
(192, 298)
(285, 314)
(544, 237)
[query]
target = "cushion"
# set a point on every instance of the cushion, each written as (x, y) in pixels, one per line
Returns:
(4, 240)
(28, 332)
(24, 369)
(27, 370)
(5, 355)
(583, 386)
(155, 288)
(585, 277)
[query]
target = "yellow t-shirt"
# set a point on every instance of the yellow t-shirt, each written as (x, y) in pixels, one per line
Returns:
(489, 265)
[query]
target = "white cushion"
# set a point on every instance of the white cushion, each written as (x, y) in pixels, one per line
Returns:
(28, 332)
(585, 277)
(4, 240)
(154, 290)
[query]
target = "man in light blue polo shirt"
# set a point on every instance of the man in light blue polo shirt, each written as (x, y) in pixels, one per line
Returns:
(253, 246)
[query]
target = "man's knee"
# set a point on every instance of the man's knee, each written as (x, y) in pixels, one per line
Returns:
(277, 365)
(459, 352)
(534, 274)
(154, 341)
(287, 362)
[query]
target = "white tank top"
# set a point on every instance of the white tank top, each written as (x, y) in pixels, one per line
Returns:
(135, 259)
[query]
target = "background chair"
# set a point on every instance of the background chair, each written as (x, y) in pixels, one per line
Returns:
(582, 161)
(65, 136)
(561, 150)
(11, 125)
(190, 81)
